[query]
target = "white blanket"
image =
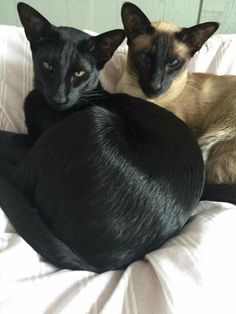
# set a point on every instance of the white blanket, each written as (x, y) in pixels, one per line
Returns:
(193, 272)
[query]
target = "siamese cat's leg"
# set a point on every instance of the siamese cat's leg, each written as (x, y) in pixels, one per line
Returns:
(218, 147)
(221, 163)
(13, 146)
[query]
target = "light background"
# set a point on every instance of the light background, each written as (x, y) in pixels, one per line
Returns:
(102, 15)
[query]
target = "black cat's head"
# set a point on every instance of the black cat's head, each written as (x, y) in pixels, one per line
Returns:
(158, 52)
(66, 61)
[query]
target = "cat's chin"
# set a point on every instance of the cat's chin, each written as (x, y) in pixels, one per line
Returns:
(152, 95)
(65, 107)
(61, 107)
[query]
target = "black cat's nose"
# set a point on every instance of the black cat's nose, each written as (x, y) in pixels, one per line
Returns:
(60, 100)
(60, 95)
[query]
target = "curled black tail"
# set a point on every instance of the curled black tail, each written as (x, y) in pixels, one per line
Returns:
(219, 193)
(28, 224)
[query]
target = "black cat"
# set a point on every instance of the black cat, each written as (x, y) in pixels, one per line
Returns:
(112, 181)
(66, 65)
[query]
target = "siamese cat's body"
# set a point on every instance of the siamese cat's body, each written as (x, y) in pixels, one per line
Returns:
(156, 70)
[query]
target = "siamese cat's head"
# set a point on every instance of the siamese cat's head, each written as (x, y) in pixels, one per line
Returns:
(66, 61)
(158, 52)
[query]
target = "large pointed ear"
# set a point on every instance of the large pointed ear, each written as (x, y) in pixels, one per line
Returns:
(194, 37)
(135, 21)
(104, 45)
(37, 28)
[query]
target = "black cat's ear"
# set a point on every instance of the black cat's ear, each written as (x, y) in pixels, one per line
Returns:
(135, 21)
(104, 45)
(37, 28)
(194, 37)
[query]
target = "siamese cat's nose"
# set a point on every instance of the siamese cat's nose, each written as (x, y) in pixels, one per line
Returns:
(156, 86)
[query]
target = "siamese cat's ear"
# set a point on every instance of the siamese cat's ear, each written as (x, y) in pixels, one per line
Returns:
(135, 21)
(194, 37)
(37, 28)
(104, 45)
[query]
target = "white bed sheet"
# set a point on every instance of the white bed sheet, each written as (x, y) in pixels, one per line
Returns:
(193, 272)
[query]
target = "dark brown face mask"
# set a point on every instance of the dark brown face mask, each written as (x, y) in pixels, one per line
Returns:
(158, 51)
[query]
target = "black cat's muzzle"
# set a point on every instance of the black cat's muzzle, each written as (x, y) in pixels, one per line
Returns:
(65, 107)
(62, 106)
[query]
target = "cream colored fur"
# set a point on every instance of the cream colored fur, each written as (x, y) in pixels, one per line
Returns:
(207, 103)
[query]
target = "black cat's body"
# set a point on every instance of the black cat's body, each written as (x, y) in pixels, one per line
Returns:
(39, 116)
(114, 181)
(107, 185)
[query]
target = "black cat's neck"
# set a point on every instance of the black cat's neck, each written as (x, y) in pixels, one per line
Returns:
(88, 97)
(92, 97)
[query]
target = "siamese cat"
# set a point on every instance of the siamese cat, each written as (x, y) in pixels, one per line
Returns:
(156, 70)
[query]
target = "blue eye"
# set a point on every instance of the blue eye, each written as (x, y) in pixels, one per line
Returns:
(145, 58)
(174, 63)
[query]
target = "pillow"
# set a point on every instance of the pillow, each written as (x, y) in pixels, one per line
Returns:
(15, 77)
(217, 56)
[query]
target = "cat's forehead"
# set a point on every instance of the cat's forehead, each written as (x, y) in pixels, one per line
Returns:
(166, 27)
(66, 44)
(163, 40)
(72, 35)
(69, 41)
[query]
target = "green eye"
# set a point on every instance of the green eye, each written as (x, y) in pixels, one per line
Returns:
(79, 74)
(48, 66)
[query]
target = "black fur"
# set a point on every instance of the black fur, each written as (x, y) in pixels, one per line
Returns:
(112, 181)
(220, 193)
(29, 225)
(106, 185)
(58, 93)
(59, 55)
(13, 146)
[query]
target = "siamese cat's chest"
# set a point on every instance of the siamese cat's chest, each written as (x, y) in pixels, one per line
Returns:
(186, 105)
(186, 102)
(202, 101)
(183, 98)
(198, 99)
